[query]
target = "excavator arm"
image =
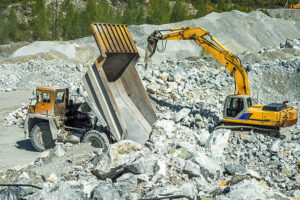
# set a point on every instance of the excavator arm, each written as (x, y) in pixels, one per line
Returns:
(211, 45)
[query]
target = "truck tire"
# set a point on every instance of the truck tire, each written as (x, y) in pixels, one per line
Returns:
(96, 138)
(41, 137)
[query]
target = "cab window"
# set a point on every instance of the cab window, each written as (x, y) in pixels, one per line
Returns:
(60, 96)
(38, 96)
(249, 102)
(234, 107)
(46, 97)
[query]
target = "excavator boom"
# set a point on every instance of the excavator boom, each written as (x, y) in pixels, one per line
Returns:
(211, 45)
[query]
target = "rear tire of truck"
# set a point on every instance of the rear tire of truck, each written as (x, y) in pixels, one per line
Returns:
(96, 138)
(41, 137)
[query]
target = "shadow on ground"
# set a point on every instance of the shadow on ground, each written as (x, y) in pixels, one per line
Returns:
(203, 112)
(25, 145)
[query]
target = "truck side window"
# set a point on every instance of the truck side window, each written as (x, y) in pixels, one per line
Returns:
(38, 96)
(46, 97)
(60, 97)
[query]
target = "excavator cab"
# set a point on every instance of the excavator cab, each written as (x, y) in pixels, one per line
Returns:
(237, 105)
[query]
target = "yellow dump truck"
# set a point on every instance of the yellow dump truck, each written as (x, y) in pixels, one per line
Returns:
(117, 107)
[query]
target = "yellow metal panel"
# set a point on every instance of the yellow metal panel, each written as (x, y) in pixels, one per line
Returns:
(122, 39)
(130, 40)
(271, 116)
(113, 38)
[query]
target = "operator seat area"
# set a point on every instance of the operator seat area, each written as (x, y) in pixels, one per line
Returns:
(234, 106)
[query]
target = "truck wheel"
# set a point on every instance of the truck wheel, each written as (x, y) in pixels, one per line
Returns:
(41, 137)
(96, 138)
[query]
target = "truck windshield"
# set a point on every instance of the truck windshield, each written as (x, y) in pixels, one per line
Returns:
(46, 97)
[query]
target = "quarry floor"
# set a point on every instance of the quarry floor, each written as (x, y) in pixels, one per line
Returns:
(14, 148)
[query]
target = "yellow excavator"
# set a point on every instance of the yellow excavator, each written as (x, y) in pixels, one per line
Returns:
(238, 109)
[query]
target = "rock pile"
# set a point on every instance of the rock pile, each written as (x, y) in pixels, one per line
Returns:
(173, 163)
(17, 117)
(290, 44)
(270, 159)
(28, 75)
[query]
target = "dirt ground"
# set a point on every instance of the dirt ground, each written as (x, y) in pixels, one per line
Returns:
(14, 149)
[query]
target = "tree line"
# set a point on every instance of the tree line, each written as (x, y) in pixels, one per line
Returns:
(64, 22)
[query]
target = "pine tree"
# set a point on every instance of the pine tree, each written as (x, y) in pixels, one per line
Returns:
(133, 14)
(222, 6)
(3, 30)
(40, 22)
(13, 28)
(76, 33)
(91, 10)
(200, 5)
(159, 12)
(104, 12)
(67, 24)
(117, 17)
(179, 11)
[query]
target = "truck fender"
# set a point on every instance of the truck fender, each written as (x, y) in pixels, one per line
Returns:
(32, 119)
(26, 128)
(53, 128)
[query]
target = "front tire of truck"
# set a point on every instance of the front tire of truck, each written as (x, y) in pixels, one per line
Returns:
(41, 137)
(96, 138)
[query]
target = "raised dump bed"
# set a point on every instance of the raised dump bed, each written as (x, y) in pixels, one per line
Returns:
(114, 86)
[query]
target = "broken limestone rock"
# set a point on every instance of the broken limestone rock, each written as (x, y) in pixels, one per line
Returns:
(252, 189)
(125, 155)
(128, 181)
(183, 113)
(106, 190)
(275, 146)
(192, 169)
(217, 142)
(61, 190)
(210, 168)
(13, 193)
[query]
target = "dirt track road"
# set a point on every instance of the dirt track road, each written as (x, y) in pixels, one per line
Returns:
(14, 149)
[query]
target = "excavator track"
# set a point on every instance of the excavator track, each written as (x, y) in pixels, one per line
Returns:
(275, 132)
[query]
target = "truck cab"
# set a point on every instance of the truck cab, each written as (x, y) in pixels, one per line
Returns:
(50, 101)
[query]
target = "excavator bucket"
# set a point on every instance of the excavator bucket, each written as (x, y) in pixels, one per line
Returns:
(114, 86)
